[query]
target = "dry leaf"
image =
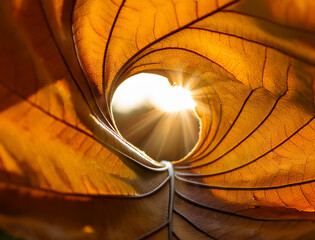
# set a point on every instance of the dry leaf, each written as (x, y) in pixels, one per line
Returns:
(65, 173)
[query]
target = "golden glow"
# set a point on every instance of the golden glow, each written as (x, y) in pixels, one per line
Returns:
(151, 89)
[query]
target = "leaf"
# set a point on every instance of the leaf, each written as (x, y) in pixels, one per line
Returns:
(6, 237)
(67, 174)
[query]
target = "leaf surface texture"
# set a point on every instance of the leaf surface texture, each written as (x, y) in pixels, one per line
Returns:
(65, 172)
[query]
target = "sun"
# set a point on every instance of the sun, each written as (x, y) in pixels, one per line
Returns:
(145, 88)
(157, 117)
(174, 99)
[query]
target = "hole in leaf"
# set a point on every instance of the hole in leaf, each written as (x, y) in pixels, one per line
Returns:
(156, 117)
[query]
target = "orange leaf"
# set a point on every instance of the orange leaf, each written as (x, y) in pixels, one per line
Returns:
(66, 173)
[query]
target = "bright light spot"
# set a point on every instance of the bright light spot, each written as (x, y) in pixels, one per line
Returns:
(152, 89)
(174, 99)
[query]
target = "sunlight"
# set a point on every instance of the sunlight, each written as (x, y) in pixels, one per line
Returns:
(156, 117)
(145, 89)
(174, 99)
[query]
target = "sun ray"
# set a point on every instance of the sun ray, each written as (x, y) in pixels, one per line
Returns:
(160, 118)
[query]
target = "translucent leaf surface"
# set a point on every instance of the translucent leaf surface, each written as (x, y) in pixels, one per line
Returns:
(65, 172)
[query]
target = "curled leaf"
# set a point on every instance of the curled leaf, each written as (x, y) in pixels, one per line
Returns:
(66, 173)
